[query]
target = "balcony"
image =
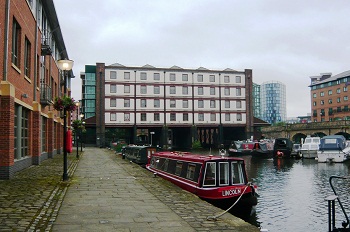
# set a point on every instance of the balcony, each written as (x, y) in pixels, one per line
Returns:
(45, 94)
(46, 43)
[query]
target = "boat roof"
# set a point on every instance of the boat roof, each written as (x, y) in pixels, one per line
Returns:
(188, 156)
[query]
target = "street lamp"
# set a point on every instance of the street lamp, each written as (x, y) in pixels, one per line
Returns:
(65, 66)
(76, 130)
(152, 133)
(81, 132)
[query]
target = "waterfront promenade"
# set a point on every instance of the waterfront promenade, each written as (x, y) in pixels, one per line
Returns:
(104, 193)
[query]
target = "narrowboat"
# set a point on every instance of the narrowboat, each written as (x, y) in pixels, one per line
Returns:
(220, 180)
(282, 148)
(260, 150)
(138, 154)
(235, 148)
(333, 148)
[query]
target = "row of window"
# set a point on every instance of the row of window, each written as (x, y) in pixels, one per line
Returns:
(330, 92)
(331, 83)
(156, 103)
(330, 101)
(172, 90)
(173, 77)
(185, 117)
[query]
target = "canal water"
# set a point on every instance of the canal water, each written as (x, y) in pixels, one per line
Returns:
(292, 193)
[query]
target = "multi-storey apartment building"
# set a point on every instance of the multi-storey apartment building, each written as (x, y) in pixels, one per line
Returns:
(170, 106)
(30, 44)
(273, 102)
(330, 97)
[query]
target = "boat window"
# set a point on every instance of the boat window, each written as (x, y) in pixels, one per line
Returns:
(178, 168)
(166, 164)
(154, 161)
(210, 173)
(190, 171)
(160, 164)
(237, 173)
(224, 173)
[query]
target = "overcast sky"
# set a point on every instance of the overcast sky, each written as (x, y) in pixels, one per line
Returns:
(287, 41)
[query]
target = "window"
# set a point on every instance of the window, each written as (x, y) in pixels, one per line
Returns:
(210, 174)
(172, 117)
(21, 132)
(43, 134)
(338, 90)
(172, 103)
(172, 90)
(185, 90)
(212, 117)
(200, 117)
(223, 173)
(178, 168)
(226, 79)
(227, 104)
(238, 92)
(227, 91)
(238, 79)
(143, 103)
(338, 99)
(212, 78)
(212, 90)
(126, 88)
(200, 78)
(329, 92)
(190, 171)
(330, 101)
(184, 77)
(16, 41)
(239, 117)
(126, 103)
(200, 90)
(156, 103)
(200, 104)
(184, 103)
(143, 76)
(322, 94)
(113, 88)
(113, 75)
(143, 117)
(345, 98)
(185, 117)
(126, 75)
(322, 102)
(227, 117)
(113, 103)
(156, 90)
(314, 95)
(172, 77)
(156, 117)
(143, 89)
(238, 104)
(156, 76)
(212, 104)
(237, 173)
(27, 57)
(113, 117)
(314, 103)
(345, 89)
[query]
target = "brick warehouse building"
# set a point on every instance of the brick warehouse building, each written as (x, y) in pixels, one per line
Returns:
(330, 97)
(31, 42)
(166, 106)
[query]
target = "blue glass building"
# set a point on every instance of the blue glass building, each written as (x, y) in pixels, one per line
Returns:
(273, 102)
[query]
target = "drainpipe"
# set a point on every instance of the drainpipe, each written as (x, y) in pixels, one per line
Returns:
(6, 40)
(35, 54)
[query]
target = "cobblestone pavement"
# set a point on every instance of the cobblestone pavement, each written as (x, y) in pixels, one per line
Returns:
(36, 199)
(31, 199)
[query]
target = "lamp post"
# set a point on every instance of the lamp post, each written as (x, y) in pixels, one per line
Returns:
(81, 132)
(65, 66)
(76, 131)
(152, 133)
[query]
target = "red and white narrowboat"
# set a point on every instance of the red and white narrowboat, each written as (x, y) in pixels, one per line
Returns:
(220, 180)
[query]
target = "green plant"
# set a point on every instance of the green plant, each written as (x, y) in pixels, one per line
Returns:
(196, 145)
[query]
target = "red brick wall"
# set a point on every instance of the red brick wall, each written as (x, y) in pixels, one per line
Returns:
(7, 119)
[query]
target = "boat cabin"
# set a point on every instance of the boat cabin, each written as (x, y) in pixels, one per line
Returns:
(138, 154)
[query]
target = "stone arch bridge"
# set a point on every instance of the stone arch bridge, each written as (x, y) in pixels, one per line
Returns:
(297, 131)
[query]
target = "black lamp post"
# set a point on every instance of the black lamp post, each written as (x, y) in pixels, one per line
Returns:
(81, 134)
(65, 66)
(76, 130)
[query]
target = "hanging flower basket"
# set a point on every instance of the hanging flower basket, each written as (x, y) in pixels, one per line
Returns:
(64, 102)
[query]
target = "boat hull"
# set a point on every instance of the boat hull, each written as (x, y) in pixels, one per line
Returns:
(332, 157)
(309, 154)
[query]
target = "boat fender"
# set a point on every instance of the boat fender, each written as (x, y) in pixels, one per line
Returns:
(154, 174)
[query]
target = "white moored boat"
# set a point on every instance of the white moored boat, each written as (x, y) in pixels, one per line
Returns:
(310, 147)
(333, 148)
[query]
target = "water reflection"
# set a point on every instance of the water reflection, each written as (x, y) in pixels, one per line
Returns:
(292, 193)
